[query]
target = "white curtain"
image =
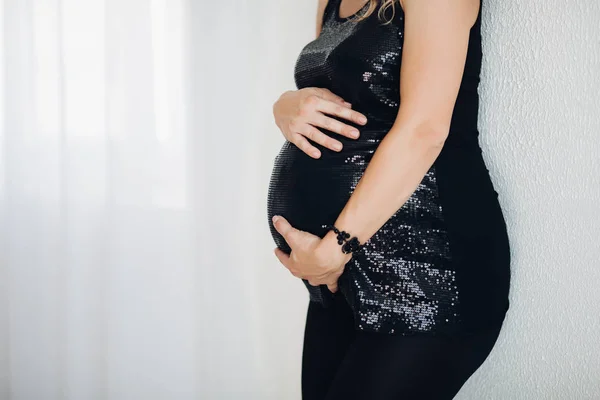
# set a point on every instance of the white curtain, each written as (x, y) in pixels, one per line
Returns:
(136, 145)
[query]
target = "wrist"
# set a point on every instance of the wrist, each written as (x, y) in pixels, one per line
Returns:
(330, 248)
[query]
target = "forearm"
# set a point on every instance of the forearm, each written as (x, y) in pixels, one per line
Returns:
(434, 50)
(398, 166)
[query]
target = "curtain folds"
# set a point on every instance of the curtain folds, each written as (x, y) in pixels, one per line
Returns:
(136, 145)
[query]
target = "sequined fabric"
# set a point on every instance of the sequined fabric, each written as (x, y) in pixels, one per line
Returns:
(427, 270)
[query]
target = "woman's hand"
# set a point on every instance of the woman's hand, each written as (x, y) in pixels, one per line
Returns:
(319, 261)
(300, 113)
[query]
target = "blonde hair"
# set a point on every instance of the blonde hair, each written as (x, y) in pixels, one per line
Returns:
(386, 12)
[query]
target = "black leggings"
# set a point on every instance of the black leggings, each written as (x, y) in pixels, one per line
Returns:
(339, 362)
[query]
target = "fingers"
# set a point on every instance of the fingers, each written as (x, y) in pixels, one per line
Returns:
(336, 126)
(282, 256)
(333, 287)
(313, 113)
(327, 94)
(346, 113)
(317, 136)
(314, 110)
(289, 233)
(286, 261)
(304, 145)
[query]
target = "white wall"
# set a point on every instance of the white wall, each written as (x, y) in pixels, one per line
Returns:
(540, 126)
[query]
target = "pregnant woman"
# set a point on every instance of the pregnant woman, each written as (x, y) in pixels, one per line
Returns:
(381, 202)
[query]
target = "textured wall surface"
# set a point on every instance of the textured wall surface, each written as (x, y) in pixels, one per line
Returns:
(540, 132)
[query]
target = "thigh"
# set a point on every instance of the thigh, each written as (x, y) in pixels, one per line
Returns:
(328, 335)
(387, 367)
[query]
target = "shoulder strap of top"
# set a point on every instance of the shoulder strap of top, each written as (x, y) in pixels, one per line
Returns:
(477, 25)
(330, 10)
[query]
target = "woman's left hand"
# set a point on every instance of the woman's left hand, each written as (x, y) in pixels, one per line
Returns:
(319, 261)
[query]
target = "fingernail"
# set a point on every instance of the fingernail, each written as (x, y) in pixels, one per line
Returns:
(362, 119)
(354, 133)
(337, 146)
(348, 104)
(275, 218)
(315, 154)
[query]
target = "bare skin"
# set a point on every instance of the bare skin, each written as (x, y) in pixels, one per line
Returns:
(433, 58)
(300, 113)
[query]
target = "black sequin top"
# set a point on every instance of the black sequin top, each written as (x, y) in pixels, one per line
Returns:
(441, 263)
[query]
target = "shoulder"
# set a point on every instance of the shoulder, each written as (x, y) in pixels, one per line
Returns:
(458, 10)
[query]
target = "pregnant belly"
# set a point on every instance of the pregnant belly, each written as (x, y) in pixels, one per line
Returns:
(456, 192)
(311, 192)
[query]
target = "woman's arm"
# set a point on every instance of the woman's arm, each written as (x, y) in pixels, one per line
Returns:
(435, 46)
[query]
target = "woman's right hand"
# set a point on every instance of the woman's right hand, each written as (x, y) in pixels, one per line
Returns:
(299, 114)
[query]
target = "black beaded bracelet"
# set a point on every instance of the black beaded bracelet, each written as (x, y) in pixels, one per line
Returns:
(343, 238)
